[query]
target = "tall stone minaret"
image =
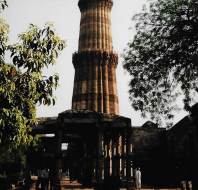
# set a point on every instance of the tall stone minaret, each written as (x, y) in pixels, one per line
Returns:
(95, 62)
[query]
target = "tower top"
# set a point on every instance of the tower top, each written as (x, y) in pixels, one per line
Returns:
(84, 4)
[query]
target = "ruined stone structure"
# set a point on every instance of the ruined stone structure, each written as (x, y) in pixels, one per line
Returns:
(99, 140)
(95, 62)
(99, 149)
(103, 148)
(167, 157)
(182, 148)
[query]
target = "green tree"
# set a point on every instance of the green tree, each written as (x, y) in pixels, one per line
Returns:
(22, 81)
(3, 4)
(162, 59)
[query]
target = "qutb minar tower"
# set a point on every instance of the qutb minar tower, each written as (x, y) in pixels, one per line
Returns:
(95, 62)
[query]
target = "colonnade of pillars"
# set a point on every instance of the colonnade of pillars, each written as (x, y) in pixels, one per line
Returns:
(114, 156)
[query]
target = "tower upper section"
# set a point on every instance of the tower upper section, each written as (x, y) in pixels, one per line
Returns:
(95, 25)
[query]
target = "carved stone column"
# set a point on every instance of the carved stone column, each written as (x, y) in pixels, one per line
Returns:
(58, 160)
(100, 158)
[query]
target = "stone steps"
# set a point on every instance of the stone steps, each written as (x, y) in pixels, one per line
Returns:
(120, 189)
(68, 187)
(162, 189)
(74, 185)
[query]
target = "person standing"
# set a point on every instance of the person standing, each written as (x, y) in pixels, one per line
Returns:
(38, 183)
(138, 178)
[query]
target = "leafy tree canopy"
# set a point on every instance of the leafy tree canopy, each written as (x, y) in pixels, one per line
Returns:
(3, 4)
(22, 81)
(162, 59)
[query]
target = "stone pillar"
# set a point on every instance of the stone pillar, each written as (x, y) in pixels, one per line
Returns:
(58, 161)
(123, 155)
(100, 160)
(113, 158)
(120, 156)
(117, 156)
(110, 157)
(107, 157)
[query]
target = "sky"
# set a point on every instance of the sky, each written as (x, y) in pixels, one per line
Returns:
(66, 18)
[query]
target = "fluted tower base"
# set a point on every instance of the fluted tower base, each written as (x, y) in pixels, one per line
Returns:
(95, 82)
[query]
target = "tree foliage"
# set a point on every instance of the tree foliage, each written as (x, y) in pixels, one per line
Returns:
(3, 5)
(162, 59)
(22, 81)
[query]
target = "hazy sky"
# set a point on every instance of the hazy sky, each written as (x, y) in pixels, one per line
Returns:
(66, 17)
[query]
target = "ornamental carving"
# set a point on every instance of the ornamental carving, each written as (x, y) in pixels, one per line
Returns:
(84, 4)
(99, 57)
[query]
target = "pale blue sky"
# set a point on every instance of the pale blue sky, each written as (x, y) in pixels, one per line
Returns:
(66, 17)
